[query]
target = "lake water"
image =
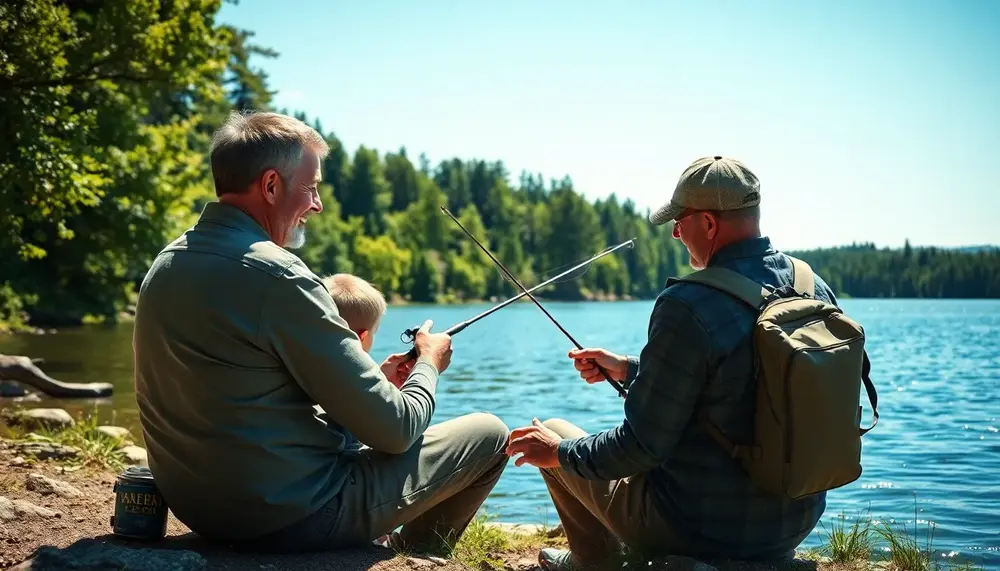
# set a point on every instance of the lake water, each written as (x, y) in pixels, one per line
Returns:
(935, 363)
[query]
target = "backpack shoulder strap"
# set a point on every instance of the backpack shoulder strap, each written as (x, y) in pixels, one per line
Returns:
(866, 368)
(733, 283)
(804, 282)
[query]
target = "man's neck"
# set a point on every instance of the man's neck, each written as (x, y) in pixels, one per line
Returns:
(247, 206)
(736, 235)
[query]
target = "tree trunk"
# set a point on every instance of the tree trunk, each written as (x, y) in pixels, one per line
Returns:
(25, 371)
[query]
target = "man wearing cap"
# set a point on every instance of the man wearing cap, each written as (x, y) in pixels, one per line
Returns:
(658, 482)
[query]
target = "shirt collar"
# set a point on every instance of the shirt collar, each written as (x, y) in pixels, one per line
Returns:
(748, 248)
(231, 217)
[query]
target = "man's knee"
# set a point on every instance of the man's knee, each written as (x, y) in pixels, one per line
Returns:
(487, 429)
(564, 428)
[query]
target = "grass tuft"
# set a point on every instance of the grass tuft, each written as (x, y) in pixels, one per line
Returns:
(481, 544)
(849, 544)
(97, 450)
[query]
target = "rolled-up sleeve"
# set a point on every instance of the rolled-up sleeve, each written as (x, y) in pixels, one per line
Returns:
(670, 373)
(302, 327)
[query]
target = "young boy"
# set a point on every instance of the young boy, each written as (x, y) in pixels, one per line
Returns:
(362, 307)
(359, 303)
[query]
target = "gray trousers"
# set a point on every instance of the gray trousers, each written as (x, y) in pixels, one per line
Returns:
(432, 490)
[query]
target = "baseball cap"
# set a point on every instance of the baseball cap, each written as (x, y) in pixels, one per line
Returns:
(711, 183)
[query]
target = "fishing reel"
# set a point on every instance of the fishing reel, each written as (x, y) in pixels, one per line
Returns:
(408, 335)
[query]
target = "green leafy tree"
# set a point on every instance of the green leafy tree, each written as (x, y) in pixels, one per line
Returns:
(380, 261)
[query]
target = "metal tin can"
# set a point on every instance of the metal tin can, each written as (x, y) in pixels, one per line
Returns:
(140, 510)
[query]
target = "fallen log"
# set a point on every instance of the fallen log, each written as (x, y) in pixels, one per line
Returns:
(24, 370)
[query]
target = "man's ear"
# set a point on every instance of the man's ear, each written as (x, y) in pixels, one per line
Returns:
(711, 225)
(270, 185)
(362, 335)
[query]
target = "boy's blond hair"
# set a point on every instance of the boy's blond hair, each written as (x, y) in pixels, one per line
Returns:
(358, 302)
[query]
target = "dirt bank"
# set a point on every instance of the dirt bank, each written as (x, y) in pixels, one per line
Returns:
(56, 501)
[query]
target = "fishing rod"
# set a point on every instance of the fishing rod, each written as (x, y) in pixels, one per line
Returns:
(614, 383)
(409, 335)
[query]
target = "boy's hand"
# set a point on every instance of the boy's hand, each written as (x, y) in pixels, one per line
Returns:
(397, 368)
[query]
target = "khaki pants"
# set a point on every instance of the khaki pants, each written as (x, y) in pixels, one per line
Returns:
(599, 516)
(432, 490)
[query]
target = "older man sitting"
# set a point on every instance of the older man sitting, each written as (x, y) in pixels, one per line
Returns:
(236, 342)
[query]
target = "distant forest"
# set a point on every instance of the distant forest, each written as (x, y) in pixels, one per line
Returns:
(103, 145)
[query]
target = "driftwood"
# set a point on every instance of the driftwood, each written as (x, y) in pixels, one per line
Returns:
(25, 371)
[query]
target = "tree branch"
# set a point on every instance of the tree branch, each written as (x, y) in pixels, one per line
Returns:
(71, 81)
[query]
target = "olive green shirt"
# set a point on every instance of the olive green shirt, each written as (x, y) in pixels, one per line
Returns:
(236, 342)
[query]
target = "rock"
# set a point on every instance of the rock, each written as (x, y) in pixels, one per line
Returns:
(524, 564)
(517, 528)
(45, 485)
(18, 461)
(92, 555)
(556, 531)
(47, 450)
(51, 418)
(440, 562)
(135, 455)
(10, 390)
(114, 432)
(11, 510)
(418, 563)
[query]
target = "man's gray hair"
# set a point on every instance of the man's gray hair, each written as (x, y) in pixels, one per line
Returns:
(247, 144)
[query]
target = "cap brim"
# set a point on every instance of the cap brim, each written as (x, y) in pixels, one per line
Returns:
(666, 213)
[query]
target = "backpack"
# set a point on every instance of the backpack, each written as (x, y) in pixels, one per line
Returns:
(809, 362)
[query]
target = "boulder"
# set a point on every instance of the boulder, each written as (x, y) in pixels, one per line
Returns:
(47, 450)
(114, 432)
(32, 418)
(13, 510)
(45, 485)
(135, 456)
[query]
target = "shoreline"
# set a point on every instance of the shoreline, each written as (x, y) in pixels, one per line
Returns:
(56, 498)
(127, 316)
(7, 331)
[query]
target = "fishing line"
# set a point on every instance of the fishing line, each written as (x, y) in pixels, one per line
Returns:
(614, 383)
(409, 335)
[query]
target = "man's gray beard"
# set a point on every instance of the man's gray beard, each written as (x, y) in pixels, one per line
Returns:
(298, 237)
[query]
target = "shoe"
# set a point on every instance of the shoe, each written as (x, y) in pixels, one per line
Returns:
(551, 559)
(390, 540)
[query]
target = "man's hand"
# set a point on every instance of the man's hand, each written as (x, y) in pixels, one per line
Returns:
(397, 368)
(435, 347)
(583, 360)
(538, 444)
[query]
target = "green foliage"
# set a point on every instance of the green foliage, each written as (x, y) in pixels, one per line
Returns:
(108, 113)
(381, 262)
(847, 544)
(864, 271)
(102, 143)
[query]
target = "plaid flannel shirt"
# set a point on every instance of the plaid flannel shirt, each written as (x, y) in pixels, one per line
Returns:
(698, 354)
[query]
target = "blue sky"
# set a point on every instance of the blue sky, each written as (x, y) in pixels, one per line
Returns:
(865, 121)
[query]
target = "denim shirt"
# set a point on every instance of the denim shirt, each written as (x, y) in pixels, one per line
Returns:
(698, 355)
